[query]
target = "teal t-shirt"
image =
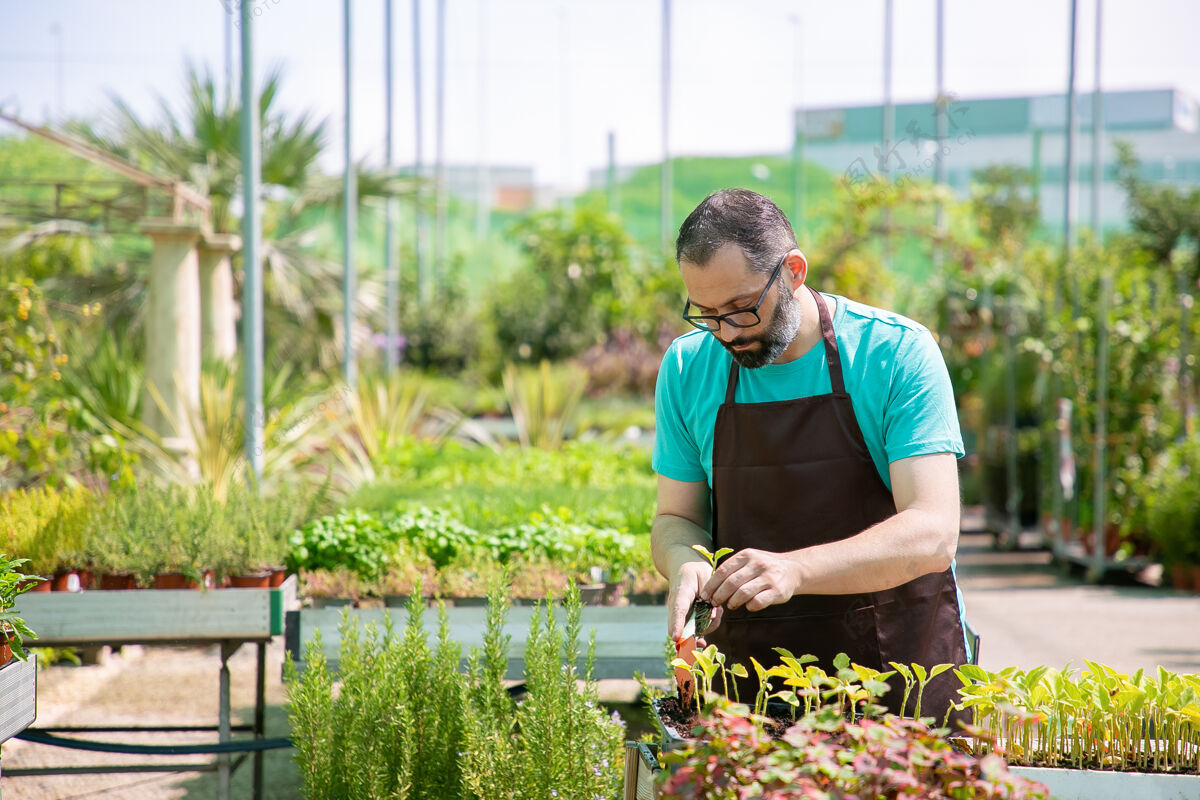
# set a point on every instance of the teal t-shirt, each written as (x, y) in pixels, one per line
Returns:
(894, 373)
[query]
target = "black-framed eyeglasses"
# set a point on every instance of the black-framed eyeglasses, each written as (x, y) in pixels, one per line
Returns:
(745, 318)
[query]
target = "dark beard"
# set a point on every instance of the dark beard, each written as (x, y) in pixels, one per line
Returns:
(781, 330)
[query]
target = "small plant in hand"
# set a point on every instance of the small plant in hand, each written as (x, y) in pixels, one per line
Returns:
(702, 609)
(13, 583)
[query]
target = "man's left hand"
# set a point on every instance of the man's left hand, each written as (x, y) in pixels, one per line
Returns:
(754, 579)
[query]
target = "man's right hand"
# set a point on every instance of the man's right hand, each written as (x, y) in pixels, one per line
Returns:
(685, 589)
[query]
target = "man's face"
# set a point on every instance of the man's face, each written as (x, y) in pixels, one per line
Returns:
(726, 284)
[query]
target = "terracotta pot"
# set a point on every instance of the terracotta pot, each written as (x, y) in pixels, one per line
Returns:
(258, 580)
(1180, 577)
(118, 581)
(5, 653)
(36, 586)
(66, 581)
(1196, 578)
(87, 579)
(177, 580)
(278, 576)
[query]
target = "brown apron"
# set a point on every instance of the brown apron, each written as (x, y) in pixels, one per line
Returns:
(797, 473)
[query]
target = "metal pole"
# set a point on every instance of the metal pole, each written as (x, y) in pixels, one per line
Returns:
(1012, 451)
(419, 163)
(229, 58)
(666, 183)
(1100, 494)
(349, 216)
(1069, 163)
(439, 220)
(941, 112)
(56, 32)
(564, 77)
(889, 124)
(798, 128)
(252, 297)
(614, 200)
(391, 260)
(483, 205)
(1097, 131)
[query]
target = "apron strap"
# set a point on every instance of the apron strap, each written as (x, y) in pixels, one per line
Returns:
(832, 357)
(831, 349)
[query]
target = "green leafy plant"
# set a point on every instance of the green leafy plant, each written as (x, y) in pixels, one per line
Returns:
(1097, 719)
(1172, 497)
(14, 583)
(543, 402)
(825, 755)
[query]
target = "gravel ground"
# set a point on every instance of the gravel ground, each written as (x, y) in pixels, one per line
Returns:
(1027, 611)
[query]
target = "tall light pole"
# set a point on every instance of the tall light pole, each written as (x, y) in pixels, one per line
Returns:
(889, 125)
(942, 111)
(252, 295)
(1097, 130)
(798, 127)
(391, 262)
(666, 183)
(439, 219)
(419, 159)
(483, 205)
(1069, 162)
(564, 77)
(349, 211)
(56, 32)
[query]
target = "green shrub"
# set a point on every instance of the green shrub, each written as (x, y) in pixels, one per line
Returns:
(406, 723)
(350, 538)
(1172, 497)
(46, 526)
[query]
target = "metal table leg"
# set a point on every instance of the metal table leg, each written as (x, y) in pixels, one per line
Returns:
(223, 721)
(260, 711)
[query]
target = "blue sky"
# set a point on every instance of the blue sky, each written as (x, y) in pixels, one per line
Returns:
(541, 82)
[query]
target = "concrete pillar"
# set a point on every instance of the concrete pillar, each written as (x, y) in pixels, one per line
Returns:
(173, 329)
(218, 310)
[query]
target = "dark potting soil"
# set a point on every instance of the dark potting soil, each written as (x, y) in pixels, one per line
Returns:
(681, 720)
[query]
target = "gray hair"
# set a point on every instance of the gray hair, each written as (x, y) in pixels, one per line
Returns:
(737, 216)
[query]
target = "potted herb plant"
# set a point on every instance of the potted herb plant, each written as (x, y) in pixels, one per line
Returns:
(13, 630)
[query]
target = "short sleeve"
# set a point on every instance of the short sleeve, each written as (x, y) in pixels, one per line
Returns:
(676, 453)
(920, 418)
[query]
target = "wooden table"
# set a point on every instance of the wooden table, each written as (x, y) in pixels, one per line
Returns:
(228, 618)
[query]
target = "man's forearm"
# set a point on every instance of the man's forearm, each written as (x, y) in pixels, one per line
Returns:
(671, 540)
(903, 547)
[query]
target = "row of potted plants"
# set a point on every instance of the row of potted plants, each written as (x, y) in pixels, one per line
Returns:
(169, 537)
(356, 554)
(466, 582)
